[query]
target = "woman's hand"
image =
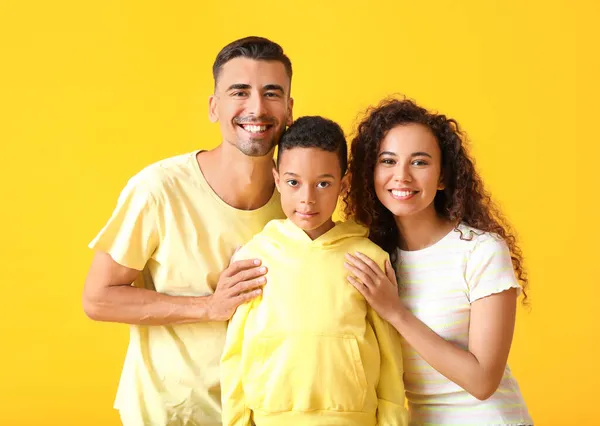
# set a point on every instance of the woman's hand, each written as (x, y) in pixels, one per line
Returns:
(379, 289)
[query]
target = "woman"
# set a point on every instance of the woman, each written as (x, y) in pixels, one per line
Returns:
(460, 269)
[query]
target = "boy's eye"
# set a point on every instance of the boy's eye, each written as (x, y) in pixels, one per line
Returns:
(323, 184)
(292, 182)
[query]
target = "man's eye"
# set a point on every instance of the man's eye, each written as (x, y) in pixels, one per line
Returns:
(238, 94)
(272, 95)
(323, 184)
(292, 182)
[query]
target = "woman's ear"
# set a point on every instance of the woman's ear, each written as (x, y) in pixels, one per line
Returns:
(441, 183)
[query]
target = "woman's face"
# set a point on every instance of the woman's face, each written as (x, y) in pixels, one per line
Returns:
(408, 170)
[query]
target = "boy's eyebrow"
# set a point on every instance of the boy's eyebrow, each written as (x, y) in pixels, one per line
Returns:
(326, 175)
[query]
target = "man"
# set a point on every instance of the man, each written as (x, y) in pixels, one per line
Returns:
(176, 225)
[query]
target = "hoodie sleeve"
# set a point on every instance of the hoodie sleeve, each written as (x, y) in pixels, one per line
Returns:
(233, 399)
(391, 409)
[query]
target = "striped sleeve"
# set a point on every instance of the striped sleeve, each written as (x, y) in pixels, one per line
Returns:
(489, 268)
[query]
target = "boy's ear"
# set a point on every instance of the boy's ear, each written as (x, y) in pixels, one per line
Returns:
(345, 183)
(276, 177)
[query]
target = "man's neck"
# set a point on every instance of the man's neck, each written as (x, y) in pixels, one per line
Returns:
(243, 182)
(422, 230)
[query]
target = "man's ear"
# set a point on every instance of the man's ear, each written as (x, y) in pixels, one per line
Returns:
(213, 115)
(276, 177)
(290, 118)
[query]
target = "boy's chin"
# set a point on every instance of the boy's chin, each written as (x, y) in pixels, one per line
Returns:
(302, 224)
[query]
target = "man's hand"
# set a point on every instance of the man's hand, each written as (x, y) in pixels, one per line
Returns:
(241, 281)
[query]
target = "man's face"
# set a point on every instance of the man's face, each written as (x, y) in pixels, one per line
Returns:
(252, 104)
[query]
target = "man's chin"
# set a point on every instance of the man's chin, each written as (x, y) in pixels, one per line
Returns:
(257, 148)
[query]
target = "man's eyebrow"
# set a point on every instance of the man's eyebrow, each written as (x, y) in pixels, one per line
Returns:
(274, 87)
(239, 86)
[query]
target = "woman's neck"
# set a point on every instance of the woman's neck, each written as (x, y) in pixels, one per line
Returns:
(422, 230)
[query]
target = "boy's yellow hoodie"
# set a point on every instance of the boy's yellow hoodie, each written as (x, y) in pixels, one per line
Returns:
(310, 350)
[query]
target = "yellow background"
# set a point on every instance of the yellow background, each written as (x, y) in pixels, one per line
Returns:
(91, 92)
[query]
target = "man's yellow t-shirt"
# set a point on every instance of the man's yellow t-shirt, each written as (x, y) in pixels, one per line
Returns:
(171, 224)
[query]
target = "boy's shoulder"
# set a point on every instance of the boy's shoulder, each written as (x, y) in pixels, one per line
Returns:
(270, 235)
(367, 247)
(360, 242)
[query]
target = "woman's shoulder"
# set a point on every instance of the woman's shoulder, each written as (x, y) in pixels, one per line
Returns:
(482, 248)
(477, 237)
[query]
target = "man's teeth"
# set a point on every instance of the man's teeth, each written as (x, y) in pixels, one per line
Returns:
(396, 193)
(254, 129)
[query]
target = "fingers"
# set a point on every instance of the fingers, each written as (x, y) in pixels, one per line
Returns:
(245, 297)
(249, 285)
(374, 267)
(241, 265)
(363, 276)
(247, 275)
(363, 289)
(391, 274)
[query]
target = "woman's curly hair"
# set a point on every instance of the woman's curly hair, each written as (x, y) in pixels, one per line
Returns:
(463, 199)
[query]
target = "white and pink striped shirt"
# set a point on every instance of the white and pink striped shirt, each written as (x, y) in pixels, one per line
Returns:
(438, 285)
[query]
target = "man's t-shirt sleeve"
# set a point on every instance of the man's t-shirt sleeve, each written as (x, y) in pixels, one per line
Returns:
(130, 236)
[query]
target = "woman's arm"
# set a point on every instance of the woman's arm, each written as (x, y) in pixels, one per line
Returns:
(477, 370)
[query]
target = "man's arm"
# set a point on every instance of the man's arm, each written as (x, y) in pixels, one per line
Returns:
(109, 296)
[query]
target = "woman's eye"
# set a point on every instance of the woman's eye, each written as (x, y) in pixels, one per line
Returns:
(292, 182)
(419, 163)
(323, 184)
(388, 161)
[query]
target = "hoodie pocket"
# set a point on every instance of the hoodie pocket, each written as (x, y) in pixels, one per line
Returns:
(305, 373)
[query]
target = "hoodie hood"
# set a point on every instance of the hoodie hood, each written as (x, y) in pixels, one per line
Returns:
(335, 237)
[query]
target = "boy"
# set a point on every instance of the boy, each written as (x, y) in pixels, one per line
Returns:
(310, 351)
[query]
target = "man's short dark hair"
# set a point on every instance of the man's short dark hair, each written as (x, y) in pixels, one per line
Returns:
(315, 132)
(257, 48)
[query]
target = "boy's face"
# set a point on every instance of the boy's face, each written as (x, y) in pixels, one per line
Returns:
(310, 182)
